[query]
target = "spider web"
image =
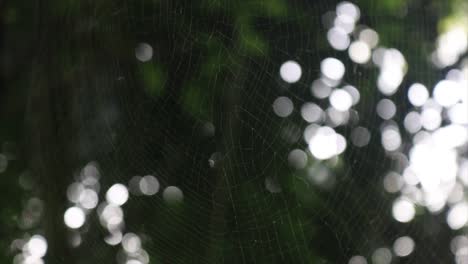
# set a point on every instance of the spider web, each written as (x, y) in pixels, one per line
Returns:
(204, 123)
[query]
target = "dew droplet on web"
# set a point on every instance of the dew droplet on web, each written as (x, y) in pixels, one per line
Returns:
(37, 246)
(110, 216)
(359, 52)
(335, 118)
(418, 94)
(74, 191)
(393, 182)
(114, 238)
(332, 71)
(297, 159)
(341, 100)
(149, 185)
(448, 92)
(117, 194)
(382, 256)
(403, 210)
(412, 122)
(457, 216)
(290, 71)
(357, 260)
(326, 143)
(391, 138)
(88, 199)
(355, 95)
(403, 246)
(74, 217)
(283, 106)
(338, 38)
(386, 109)
(131, 243)
(312, 113)
(348, 9)
(320, 89)
(370, 37)
(143, 52)
(459, 244)
(173, 195)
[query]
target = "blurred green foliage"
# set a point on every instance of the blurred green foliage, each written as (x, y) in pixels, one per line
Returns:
(214, 61)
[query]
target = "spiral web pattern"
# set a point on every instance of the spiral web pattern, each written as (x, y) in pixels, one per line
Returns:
(222, 168)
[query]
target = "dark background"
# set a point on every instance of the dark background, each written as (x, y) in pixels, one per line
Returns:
(73, 92)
